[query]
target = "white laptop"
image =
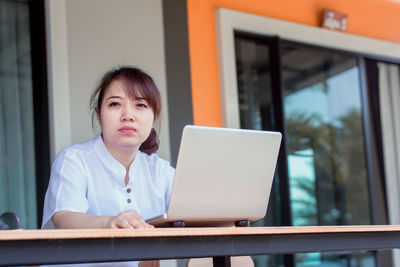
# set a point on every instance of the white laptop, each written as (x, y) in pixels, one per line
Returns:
(222, 176)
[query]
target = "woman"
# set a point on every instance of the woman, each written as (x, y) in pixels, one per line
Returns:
(116, 179)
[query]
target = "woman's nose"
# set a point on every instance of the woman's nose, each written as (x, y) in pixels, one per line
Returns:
(128, 115)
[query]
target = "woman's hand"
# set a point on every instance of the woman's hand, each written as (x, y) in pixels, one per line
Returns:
(129, 219)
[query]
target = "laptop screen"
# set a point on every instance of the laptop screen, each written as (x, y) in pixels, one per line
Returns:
(223, 175)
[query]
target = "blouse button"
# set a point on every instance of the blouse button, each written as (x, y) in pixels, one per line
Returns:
(128, 190)
(129, 200)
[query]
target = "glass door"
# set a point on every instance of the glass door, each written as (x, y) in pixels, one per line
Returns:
(325, 144)
(313, 96)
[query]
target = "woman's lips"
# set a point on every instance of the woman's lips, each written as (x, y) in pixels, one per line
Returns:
(127, 129)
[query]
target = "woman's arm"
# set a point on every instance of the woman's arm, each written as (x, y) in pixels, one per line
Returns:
(129, 219)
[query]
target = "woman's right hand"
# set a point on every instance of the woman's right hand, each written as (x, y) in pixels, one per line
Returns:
(129, 219)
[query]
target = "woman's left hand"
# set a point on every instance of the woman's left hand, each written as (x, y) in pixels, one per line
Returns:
(127, 219)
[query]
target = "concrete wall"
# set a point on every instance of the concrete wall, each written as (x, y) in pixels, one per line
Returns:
(85, 39)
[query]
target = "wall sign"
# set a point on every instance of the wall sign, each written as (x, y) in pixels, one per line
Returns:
(335, 21)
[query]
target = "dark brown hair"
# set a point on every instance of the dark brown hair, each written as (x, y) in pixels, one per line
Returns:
(137, 83)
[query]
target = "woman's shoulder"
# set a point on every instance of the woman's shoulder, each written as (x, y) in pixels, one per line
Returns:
(73, 159)
(77, 149)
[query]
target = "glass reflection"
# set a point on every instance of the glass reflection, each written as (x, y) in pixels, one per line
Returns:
(325, 146)
(326, 156)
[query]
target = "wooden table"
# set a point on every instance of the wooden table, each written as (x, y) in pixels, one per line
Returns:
(20, 247)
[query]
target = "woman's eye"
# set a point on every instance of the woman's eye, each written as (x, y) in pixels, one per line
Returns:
(114, 104)
(141, 105)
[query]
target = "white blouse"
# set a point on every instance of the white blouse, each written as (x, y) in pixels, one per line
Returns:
(87, 178)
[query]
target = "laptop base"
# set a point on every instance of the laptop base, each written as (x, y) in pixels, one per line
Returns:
(176, 224)
(242, 223)
(181, 223)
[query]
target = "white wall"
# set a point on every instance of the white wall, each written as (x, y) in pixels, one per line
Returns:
(85, 39)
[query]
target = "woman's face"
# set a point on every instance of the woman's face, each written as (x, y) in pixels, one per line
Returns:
(125, 123)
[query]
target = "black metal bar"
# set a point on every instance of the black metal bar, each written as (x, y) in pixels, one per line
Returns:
(282, 166)
(44, 251)
(223, 261)
(276, 74)
(40, 101)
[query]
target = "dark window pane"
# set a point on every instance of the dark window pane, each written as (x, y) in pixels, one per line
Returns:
(254, 84)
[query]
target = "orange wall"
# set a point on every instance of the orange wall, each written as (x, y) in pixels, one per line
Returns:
(372, 18)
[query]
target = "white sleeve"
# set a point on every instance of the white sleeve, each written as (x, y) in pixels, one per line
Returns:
(67, 187)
